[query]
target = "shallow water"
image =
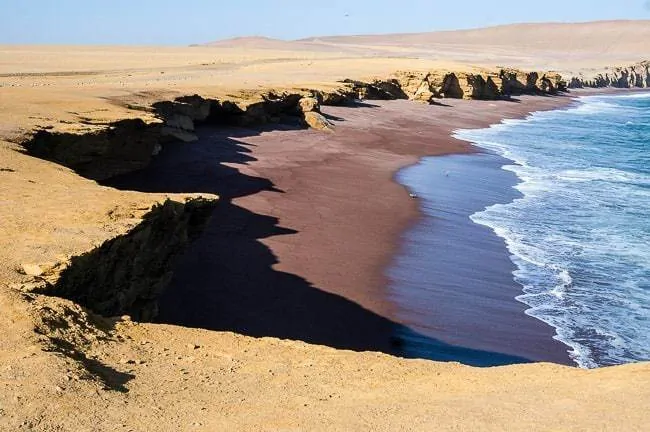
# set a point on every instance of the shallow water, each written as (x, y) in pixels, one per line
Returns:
(452, 280)
(579, 234)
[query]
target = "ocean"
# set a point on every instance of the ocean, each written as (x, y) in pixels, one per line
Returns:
(578, 231)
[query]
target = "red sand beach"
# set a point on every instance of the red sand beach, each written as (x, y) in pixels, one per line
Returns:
(314, 219)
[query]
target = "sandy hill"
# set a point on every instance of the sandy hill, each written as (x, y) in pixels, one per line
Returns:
(556, 45)
(266, 43)
(628, 36)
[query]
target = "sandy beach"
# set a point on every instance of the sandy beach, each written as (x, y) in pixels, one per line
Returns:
(279, 315)
(301, 203)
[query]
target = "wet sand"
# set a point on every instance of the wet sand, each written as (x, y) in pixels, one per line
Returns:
(313, 220)
(453, 278)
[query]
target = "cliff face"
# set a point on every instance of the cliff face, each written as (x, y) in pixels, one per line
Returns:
(488, 85)
(124, 146)
(634, 76)
(127, 274)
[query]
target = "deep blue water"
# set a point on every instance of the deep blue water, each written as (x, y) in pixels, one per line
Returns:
(580, 234)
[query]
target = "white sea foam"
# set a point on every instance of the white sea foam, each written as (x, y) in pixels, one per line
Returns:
(596, 107)
(580, 235)
(603, 174)
(644, 95)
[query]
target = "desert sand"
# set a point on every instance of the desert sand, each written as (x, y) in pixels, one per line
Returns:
(64, 368)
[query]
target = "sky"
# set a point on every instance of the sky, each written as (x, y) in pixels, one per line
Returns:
(174, 22)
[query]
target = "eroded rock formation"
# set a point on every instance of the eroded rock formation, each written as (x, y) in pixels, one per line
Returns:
(377, 90)
(424, 86)
(124, 146)
(127, 274)
(129, 145)
(634, 76)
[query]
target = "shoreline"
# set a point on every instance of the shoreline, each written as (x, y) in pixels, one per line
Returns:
(547, 348)
(580, 350)
(454, 320)
(316, 219)
(453, 279)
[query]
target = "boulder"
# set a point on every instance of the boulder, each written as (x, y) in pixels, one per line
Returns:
(531, 81)
(424, 96)
(179, 134)
(308, 104)
(391, 89)
(317, 121)
(340, 97)
(33, 270)
(224, 113)
(546, 85)
(195, 107)
(180, 121)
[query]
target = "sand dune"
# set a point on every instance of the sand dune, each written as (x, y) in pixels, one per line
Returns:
(527, 45)
(603, 36)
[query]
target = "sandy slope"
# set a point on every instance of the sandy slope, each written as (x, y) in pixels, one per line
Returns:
(222, 380)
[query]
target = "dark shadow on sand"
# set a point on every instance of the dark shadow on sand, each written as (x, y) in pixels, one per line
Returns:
(226, 280)
(111, 378)
(437, 102)
(361, 104)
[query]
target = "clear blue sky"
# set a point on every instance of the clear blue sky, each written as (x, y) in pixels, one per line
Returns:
(174, 22)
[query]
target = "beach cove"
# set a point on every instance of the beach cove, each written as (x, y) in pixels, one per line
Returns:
(279, 313)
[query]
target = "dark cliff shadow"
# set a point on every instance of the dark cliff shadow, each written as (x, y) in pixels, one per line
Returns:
(111, 378)
(227, 280)
(362, 104)
(199, 167)
(438, 102)
(331, 117)
(508, 98)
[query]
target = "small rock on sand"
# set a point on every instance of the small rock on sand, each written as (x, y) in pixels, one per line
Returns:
(31, 269)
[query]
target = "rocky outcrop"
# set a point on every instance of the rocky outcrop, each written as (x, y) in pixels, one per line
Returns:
(318, 121)
(634, 76)
(450, 87)
(425, 86)
(481, 88)
(126, 275)
(308, 104)
(515, 82)
(341, 96)
(377, 90)
(129, 145)
(310, 107)
(125, 146)
(413, 82)
(179, 116)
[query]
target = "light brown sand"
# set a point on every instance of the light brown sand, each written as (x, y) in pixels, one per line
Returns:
(153, 379)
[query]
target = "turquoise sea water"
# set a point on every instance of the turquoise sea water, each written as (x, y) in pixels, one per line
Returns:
(580, 234)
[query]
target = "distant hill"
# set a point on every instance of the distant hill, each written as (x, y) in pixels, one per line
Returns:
(627, 36)
(624, 40)
(261, 42)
